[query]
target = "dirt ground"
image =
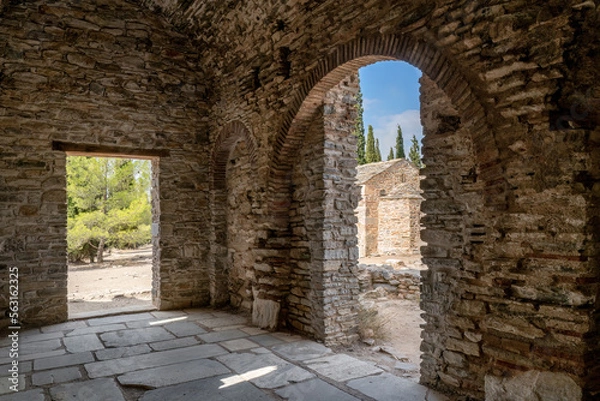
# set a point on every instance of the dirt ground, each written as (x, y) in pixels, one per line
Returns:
(124, 279)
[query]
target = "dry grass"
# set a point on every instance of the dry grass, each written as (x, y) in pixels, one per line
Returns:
(370, 324)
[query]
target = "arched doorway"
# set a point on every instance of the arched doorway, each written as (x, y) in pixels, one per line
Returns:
(322, 255)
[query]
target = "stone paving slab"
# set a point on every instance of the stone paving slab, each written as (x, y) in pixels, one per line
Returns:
(82, 343)
(31, 333)
(24, 367)
(253, 331)
(5, 385)
(91, 390)
(238, 345)
(177, 343)
(264, 370)
(211, 389)
(124, 338)
(103, 321)
(97, 329)
(224, 335)
(33, 336)
(62, 360)
(266, 340)
(314, 390)
(173, 374)
(287, 337)
(123, 310)
(77, 324)
(30, 395)
(32, 357)
(169, 314)
(184, 329)
(387, 387)
(341, 367)
(301, 350)
(198, 314)
(155, 359)
(224, 321)
(38, 347)
(142, 324)
(55, 376)
(122, 352)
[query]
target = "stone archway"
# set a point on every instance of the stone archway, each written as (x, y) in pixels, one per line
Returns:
(347, 59)
(323, 303)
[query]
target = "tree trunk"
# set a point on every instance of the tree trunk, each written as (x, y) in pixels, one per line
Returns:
(100, 252)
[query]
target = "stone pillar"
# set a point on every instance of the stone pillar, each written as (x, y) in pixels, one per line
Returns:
(340, 286)
(452, 356)
(323, 294)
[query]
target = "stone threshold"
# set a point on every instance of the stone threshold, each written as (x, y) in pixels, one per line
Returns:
(124, 310)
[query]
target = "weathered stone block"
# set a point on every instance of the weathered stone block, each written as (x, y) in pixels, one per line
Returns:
(265, 313)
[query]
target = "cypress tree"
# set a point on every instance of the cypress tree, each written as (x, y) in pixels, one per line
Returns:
(370, 153)
(391, 155)
(414, 154)
(400, 144)
(377, 151)
(359, 129)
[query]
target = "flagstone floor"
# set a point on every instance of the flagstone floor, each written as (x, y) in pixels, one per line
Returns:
(198, 354)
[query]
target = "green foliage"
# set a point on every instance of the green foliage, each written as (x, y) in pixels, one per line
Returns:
(399, 144)
(359, 129)
(377, 151)
(371, 153)
(108, 205)
(84, 233)
(391, 155)
(414, 154)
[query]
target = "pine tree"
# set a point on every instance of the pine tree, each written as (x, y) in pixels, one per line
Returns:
(359, 129)
(400, 144)
(370, 153)
(107, 205)
(391, 155)
(377, 151)
(414, 154)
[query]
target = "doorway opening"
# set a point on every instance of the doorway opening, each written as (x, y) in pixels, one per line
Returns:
(389, 133)
(110, 211)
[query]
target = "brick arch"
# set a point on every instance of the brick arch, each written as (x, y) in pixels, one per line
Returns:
(347, 59)
(224, 144)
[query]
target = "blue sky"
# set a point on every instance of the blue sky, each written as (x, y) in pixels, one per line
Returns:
(391, 96)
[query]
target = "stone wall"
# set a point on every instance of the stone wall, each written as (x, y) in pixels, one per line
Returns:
(118, 78)
(384, 281)
(511, 200)
(397, 234)
(388, 212)
(240, 229)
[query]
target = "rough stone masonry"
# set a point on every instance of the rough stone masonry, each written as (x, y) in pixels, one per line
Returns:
(254, 166)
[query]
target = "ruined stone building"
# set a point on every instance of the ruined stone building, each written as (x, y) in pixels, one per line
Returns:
(389, 209)
(254, 165)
